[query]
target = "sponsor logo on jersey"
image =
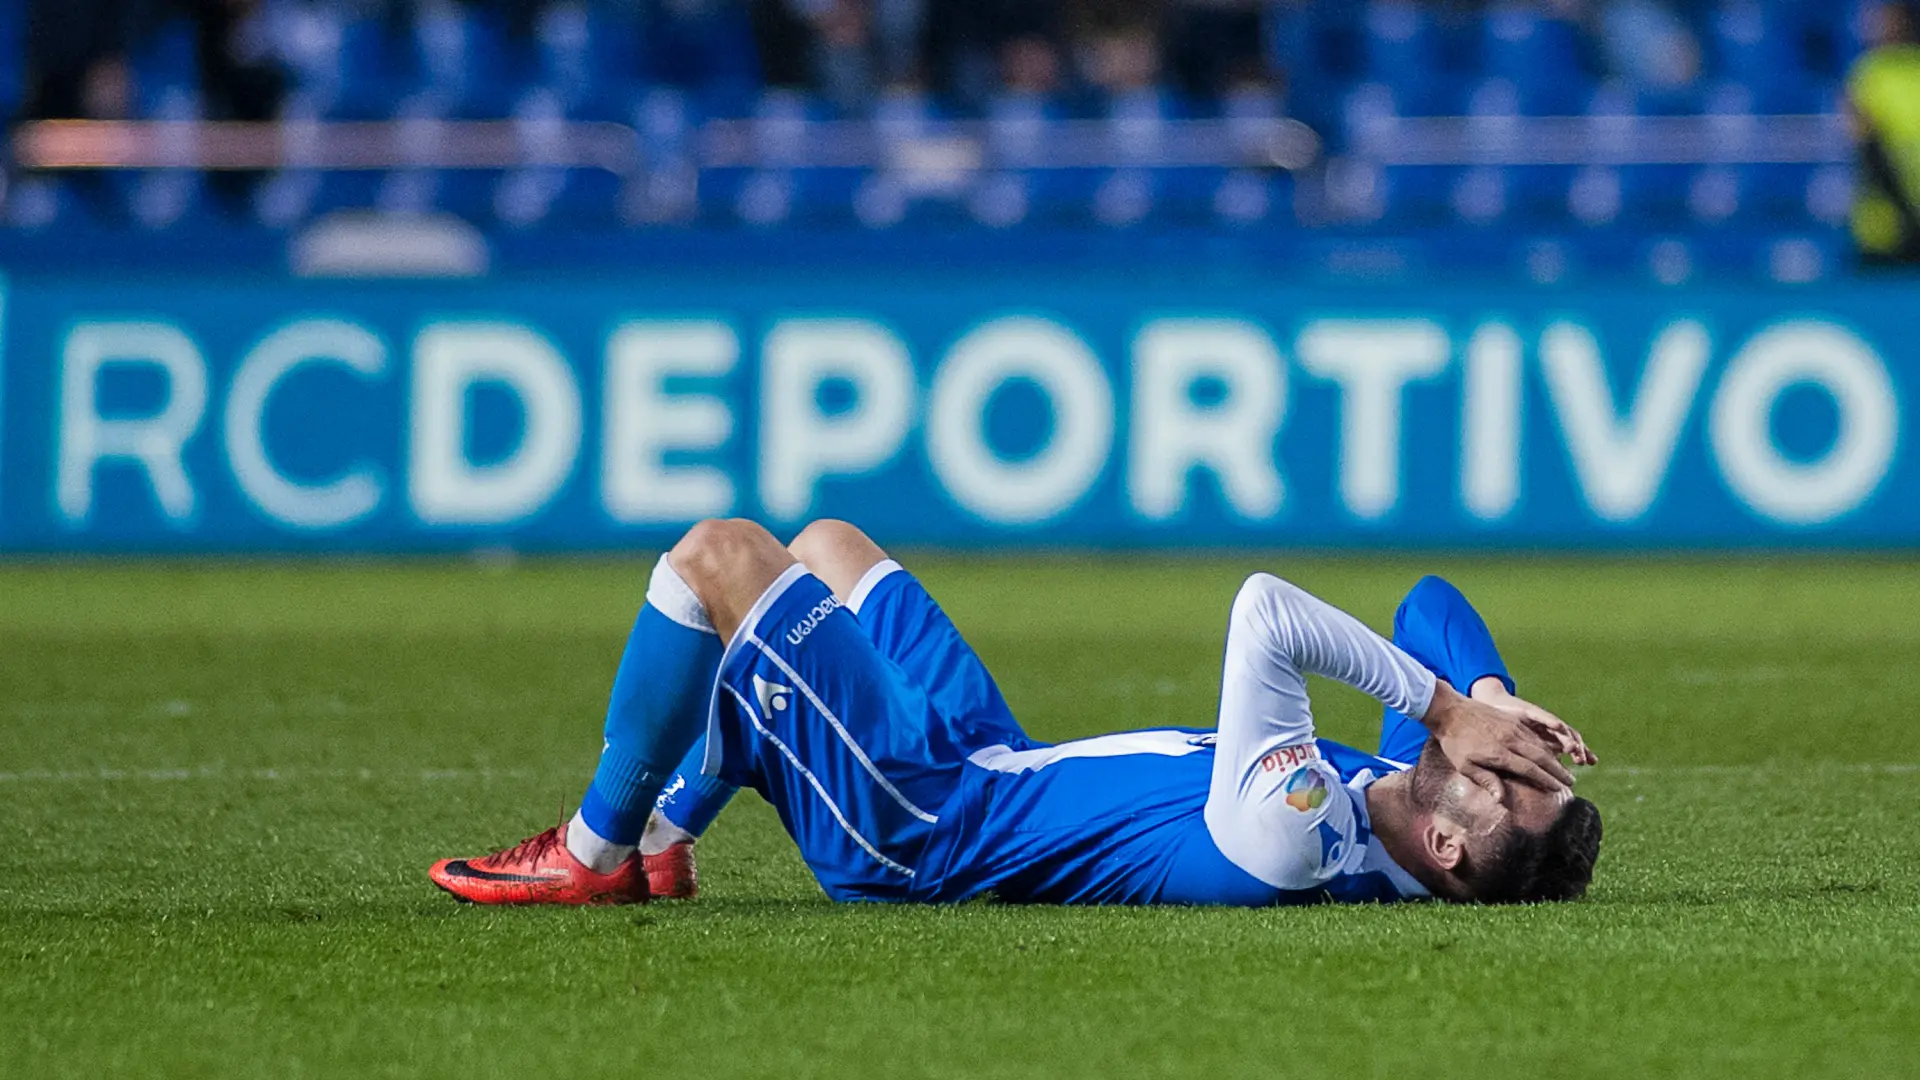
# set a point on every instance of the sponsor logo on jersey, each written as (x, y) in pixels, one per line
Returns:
(773, 697)
(798, 632)
(1289, 757)
(1306, 790)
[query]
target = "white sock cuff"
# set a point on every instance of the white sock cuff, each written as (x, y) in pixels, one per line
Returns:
(662, 834)
(594, 851)
(670, 595)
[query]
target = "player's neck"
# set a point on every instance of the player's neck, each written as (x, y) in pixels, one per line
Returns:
(1396, 823)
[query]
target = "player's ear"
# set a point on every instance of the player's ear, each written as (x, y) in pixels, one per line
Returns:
(1443, 842)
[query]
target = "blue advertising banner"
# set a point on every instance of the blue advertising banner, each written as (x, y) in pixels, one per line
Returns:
(235, 415)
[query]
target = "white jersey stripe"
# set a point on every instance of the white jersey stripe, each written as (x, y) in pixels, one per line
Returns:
(1161, 743)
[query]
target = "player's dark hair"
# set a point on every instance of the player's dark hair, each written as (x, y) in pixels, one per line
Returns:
(1529, 868)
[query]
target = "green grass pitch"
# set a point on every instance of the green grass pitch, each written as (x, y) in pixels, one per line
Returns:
(221, 784)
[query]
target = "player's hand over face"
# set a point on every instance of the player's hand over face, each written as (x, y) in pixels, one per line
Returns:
(1556, 732)
(1487, 742)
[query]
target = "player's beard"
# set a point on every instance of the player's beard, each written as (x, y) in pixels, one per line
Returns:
(1433, 780)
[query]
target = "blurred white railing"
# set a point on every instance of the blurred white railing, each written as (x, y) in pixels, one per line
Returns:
(398, 144)
(1710, 139)
(758, 143)
(926, 146)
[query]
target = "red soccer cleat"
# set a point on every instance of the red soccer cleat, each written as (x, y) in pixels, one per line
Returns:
(540, 870)
(671, 874)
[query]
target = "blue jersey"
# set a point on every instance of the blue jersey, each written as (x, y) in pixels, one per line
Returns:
(893, 762)
(1119, 819)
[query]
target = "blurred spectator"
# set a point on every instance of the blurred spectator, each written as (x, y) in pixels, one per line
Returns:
(842, 53)
(975, 47)
(784, 40)
(77, 57)
(1215, 47)
(1030, 65)
(241, 77)
(900, 28)
(847, 50)
(79, 52)
(1648, 45)
(1123, 60)
(1883, 100)
(1117, 44)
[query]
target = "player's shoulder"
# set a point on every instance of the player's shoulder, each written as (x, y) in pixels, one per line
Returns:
(1318, 826)
(1294, 825)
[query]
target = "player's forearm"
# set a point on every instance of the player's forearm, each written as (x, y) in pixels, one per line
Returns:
(1320, 639)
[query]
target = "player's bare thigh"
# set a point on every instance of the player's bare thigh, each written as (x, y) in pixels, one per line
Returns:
(728, 565)
(837, 553)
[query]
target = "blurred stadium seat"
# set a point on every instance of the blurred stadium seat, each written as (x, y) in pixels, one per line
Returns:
(1373, 79)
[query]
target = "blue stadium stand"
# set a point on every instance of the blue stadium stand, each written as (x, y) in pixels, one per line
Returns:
(1351, 71)
(588, 55)
(1538, 57)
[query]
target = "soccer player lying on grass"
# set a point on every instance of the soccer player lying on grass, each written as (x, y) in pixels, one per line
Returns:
(845, 697)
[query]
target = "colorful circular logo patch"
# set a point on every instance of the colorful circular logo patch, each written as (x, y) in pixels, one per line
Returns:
(1306, 790)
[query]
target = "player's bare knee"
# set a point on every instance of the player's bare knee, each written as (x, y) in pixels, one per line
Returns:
(836, 552)
(830, 538)
(711, 549)
(728, 563)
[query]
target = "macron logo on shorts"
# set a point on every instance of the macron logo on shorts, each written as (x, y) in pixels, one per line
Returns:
(773, 697)
(798, 632)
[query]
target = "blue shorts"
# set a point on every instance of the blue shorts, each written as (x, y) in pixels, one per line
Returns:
(854, 722)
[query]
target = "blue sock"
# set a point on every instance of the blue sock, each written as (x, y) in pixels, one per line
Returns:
(657, 710)
(692, 799)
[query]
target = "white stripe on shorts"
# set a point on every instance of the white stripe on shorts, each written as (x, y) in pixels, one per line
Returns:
(874, 575)
(818, 788)
(841, 730)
